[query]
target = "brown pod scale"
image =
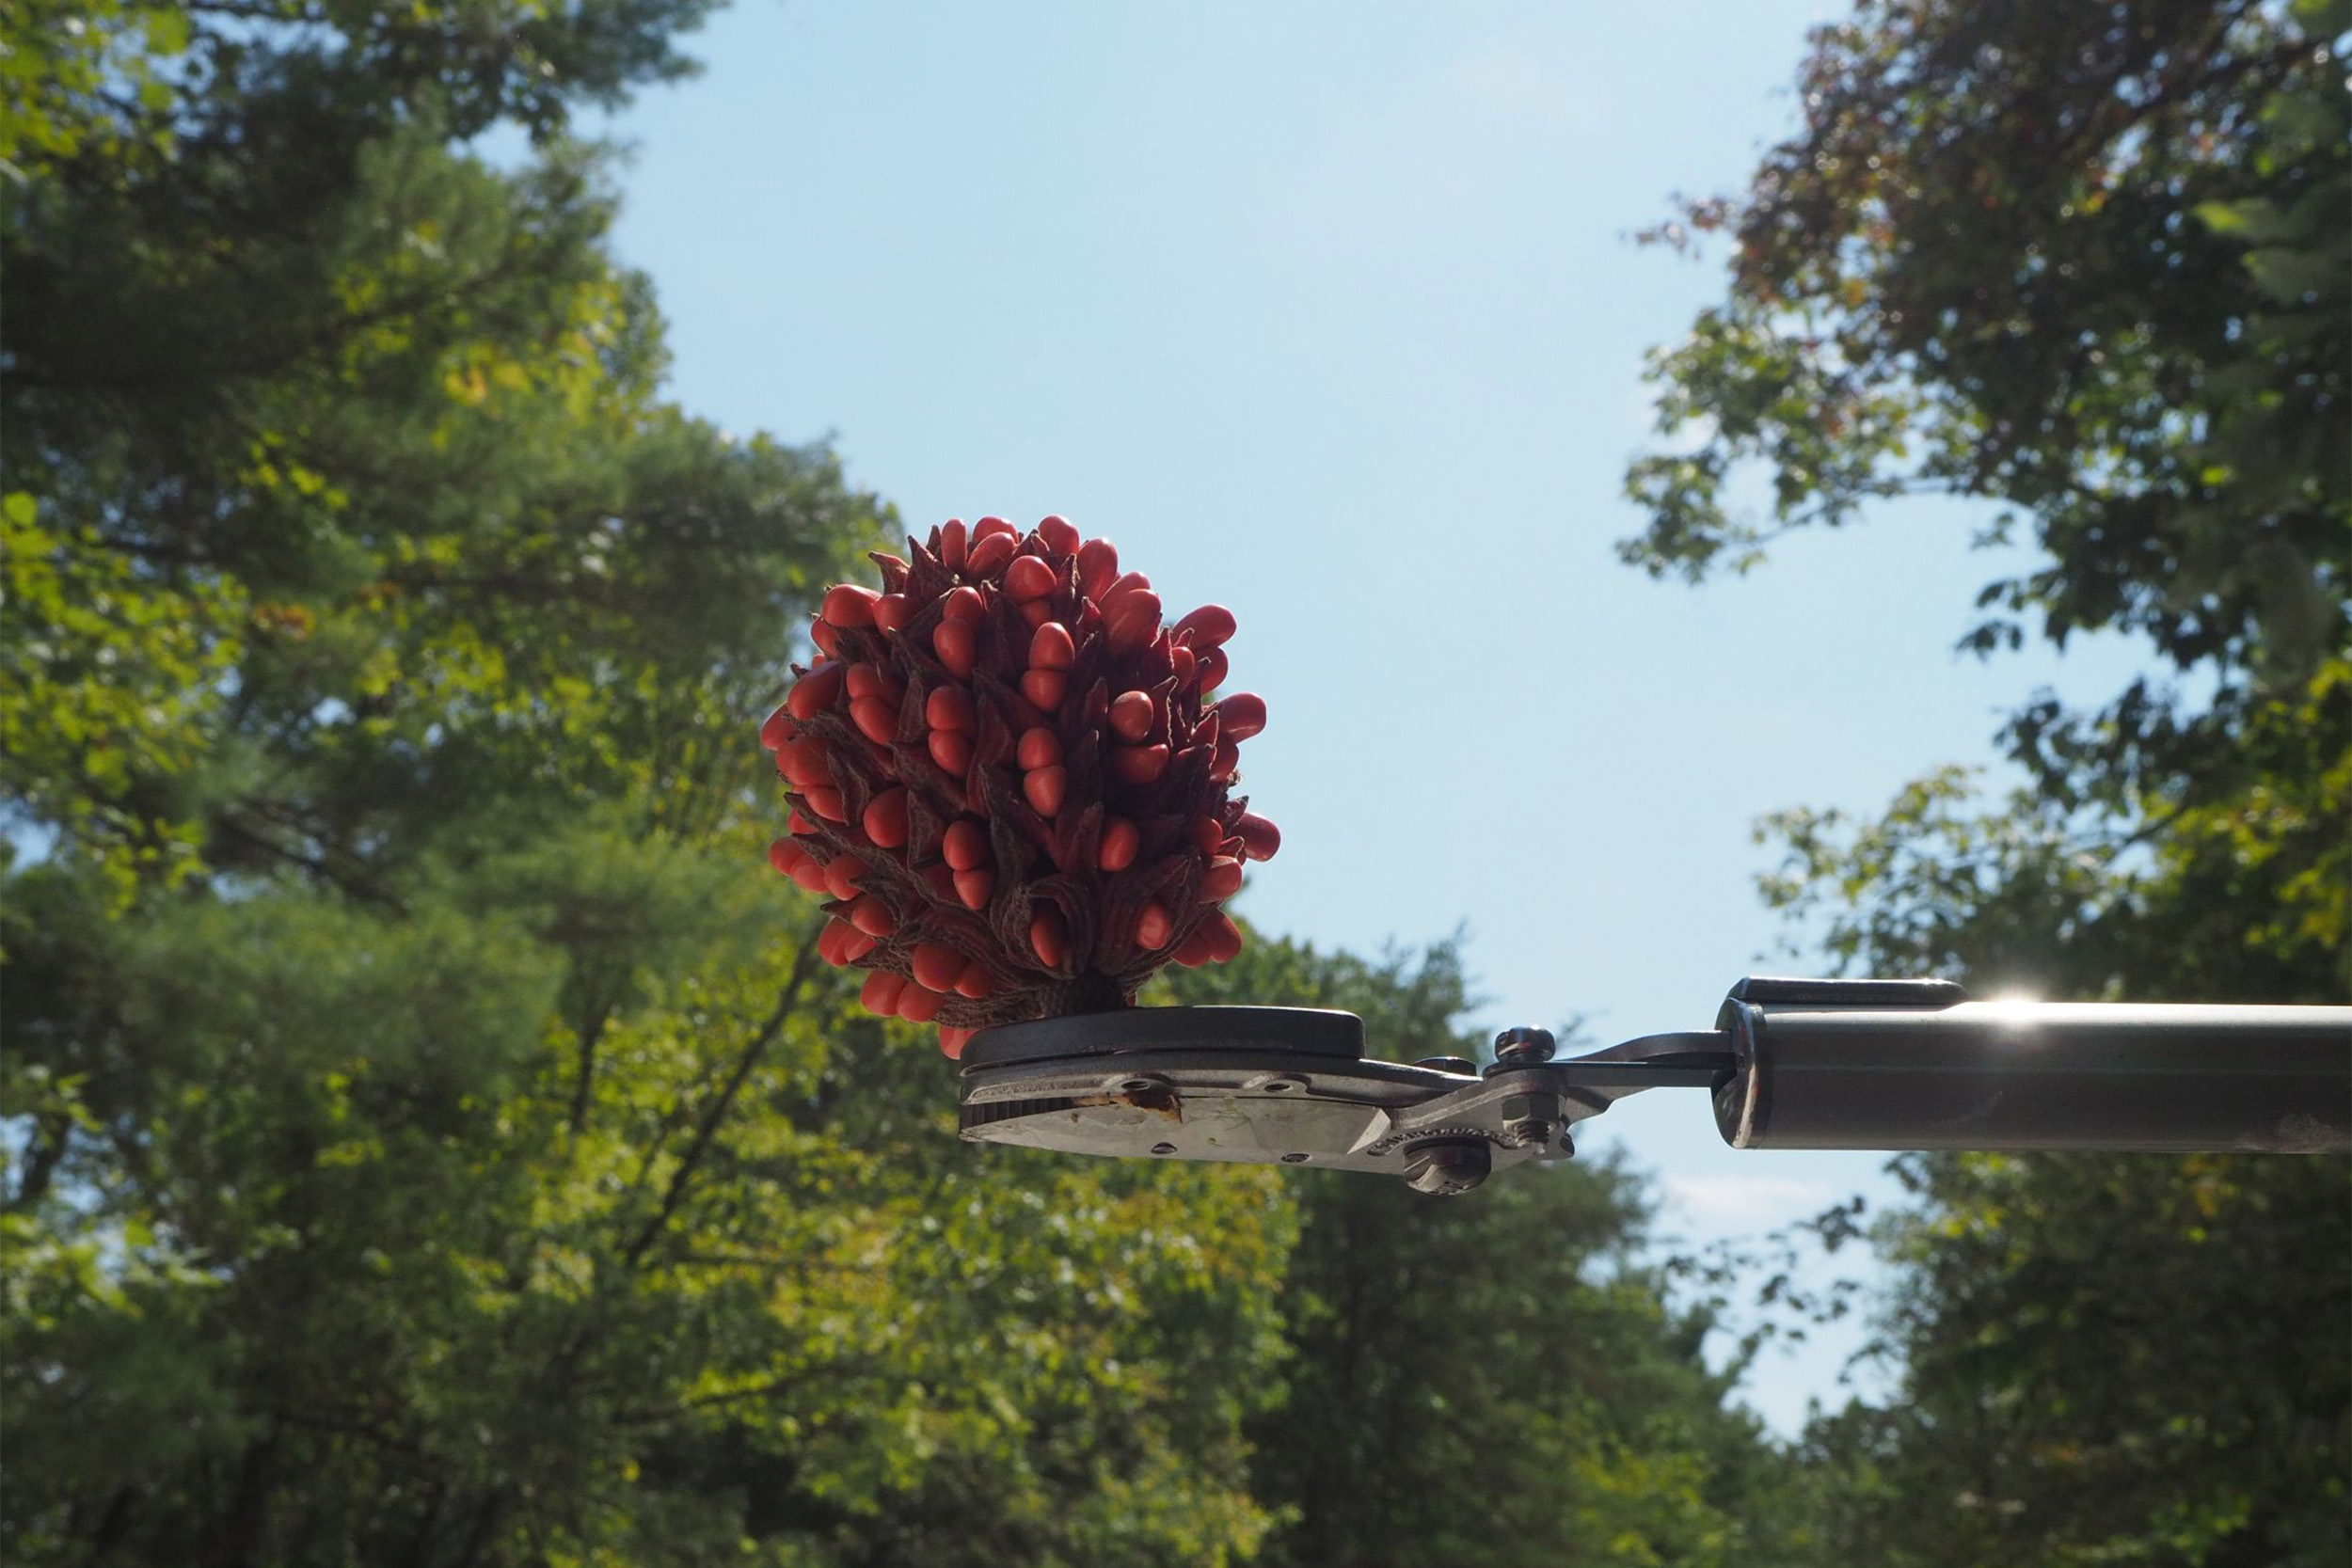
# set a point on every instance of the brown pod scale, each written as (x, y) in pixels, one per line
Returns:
(1010, 775)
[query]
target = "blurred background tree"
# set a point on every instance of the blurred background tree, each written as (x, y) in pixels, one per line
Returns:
(2089, 265)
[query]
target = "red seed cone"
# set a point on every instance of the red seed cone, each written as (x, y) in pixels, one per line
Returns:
(1027, 769)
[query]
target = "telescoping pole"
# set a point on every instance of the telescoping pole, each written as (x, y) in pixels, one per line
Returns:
(1911, 1064)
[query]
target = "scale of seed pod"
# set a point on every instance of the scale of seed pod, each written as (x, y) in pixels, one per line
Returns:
(1012, 780)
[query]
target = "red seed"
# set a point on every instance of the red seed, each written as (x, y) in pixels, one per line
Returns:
(867, 680)
(778, 727)
(881, 992)
(1131, 715)
(1221, 880)
(1224, 937)
(815, 692)
(1098, 567)
(891, 612)
(841, 875)
(811, 877)
(952, 1040)
(1194, 950)
(1046, 788)
(1047, 939)
(873, 916)
(1138, 765)
(803, 759)
(965, 846)
(829, 940)
(1045, 689)
(918, 1005)
(957, 647)
(936, 965)
(1212, 625)
(856, 945)
(847, 605)
(1240, 715)
(1132, 583)
(1211, 671)
(964, 603)
(1154, 927)
(1120, 842)
(784, 855)
(1058, 537)
(1184, 664)
(972, 888)
(989, 526)
(821, 634)
(1051, 647)
(952, 751)
(952, 542)
(826, 803)
(948, 708)
(885, 818)
(1260, 838)
(1130, 628)
(1207, 834)
(1037, 613)
(989, 555)
(974, 984)
(795, 823)
(876, 719)
(1028, 578)
(1038, 748)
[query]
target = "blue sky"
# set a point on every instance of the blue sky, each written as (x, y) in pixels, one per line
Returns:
(1326, 313)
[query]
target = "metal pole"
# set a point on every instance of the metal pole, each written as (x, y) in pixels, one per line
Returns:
(1900, 1065)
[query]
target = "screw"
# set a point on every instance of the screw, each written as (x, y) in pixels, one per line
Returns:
(1516, 1048)
(1293, 1158)
(1163, 1149)
(1447, 1166)
(1449, 1064)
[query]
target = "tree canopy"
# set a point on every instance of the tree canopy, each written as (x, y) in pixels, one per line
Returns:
(2087, 265)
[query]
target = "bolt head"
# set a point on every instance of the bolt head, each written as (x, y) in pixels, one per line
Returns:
(1446, 1167)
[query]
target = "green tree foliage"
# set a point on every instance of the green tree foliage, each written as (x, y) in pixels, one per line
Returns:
(1494, 1379)
(430, 1136)
(2089, 264)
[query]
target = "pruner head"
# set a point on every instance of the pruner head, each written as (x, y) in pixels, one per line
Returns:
(1281, 1086)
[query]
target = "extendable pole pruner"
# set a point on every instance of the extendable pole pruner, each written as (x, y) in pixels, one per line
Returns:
(1791, 1064)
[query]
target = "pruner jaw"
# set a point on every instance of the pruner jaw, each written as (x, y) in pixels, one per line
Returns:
(1292, 1086)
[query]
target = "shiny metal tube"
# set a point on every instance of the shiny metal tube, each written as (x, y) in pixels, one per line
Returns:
(1831, 1065)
